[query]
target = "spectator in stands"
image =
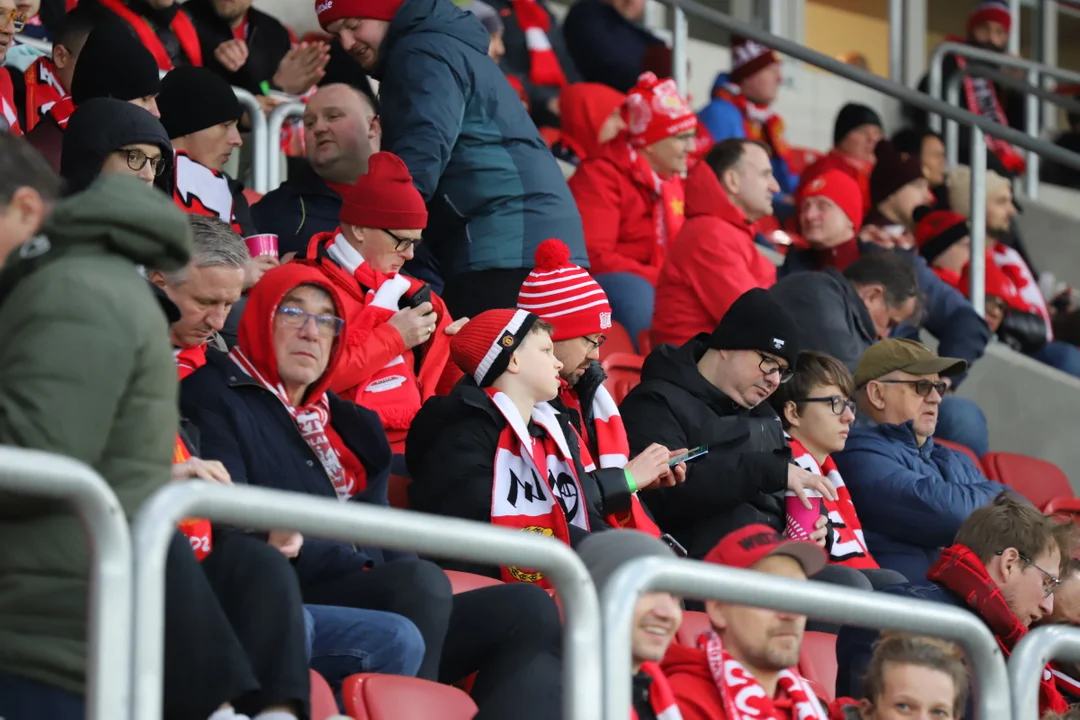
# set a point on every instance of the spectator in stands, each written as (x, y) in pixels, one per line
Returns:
(28, 190)
(160, 25)
(856, 133)
(12, 20)
(714, 259)
(817, 409)
(341, 131)
(1066, 612)
(493, 189)
(591, 114)
(252, 50)
(631, 198)
(928, 147)
(246, 405)
(897, 187)
(1003, 566)
(746, 666)
(842, 314)
(49, 78)
(113, 136)
(397, 352)
(608, 42)
(112, 64)
(657, 616)
(899, 478)
(488, 469)
(740, 106)
(712, 391)
(1051, 171)
(830, 213)
(910, 676)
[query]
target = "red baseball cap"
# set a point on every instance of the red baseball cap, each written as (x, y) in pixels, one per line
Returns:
(747, 546)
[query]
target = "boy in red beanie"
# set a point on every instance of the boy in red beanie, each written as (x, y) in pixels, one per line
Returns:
(496, 451)
(396, 353)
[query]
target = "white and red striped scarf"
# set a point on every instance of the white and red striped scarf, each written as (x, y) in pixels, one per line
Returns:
(189, 359)
(745, 699)
(198, 531)
(1012, 264)
(535, 485)
(43, 90)
(544, 67)
(60, 111)
(8, 113)
(849, 545)
(661, 696)
(199, 190)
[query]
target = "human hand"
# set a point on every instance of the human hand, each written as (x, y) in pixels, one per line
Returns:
(232, 54)
(256, 268)
(800, 480)
(199, 469)
(269, 102)
(650, 467)
(821, 531)
(302, 67)
(416, 324)
(452, 328)
(287, 541)
(877, 236)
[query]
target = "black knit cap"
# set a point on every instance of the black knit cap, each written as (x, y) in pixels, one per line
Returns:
(891, 172)
(756, 321)
(850, 117)
(114, 64)
(193, 99)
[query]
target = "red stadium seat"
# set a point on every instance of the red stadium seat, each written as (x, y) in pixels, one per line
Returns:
(963, 449)
(392, 697)
(693, 624)
(464, 582)
(644, 342)
(623, 374)
(323, 704)
(617, 342)
(1039, 481)
(817, 661)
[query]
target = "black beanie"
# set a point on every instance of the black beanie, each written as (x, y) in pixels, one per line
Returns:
(193, 99)
(100, 126)
(850, 117)
(114, 64)
(891, 172)
(756, 321)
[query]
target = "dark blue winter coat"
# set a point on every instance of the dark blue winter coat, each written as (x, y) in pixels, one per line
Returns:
(494, 190)
(911, 500)
(246, 428)
(606, 47)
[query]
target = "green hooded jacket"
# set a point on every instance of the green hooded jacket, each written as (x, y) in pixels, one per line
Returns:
(86, 370)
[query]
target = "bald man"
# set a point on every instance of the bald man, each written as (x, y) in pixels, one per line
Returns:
(341, 131)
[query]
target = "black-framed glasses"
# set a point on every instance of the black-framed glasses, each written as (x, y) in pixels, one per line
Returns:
(837, 403)
(768, 366)
(595, 344)
(922, 387)
(137, 159)
(1050, 581)
(17, 18)
(294, 317)
(403, 244)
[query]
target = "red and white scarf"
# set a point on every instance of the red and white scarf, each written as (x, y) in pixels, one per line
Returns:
(669, 200)
(198, 531)
(61, 111)
(313, 422)
(982, 100)
(189, 359)
(759, 123)
(1012, 264)
(745, 699)
(535, 487)
(199, 190)
(43, 90)
(181, 26)
(544, 67)
(849, 545)
(8, 112)
(661, 696)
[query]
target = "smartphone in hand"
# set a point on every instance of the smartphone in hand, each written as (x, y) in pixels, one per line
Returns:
(689, 456)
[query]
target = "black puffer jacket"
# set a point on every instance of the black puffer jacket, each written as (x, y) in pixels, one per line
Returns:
(742, 479)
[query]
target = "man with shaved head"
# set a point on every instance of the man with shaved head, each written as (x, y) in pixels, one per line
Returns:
(341, 131)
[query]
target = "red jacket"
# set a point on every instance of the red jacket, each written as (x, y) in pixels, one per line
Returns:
(712, 262)
(859, 171)
(9, 115)
(627, 216)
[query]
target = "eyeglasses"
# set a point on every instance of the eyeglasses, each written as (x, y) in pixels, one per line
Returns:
(17, 18)
(403, 244)
(294, 317)
(594, 343)
(1050, 582)
(922, 387)
(768, 366)
(837, 403)
(137, 159)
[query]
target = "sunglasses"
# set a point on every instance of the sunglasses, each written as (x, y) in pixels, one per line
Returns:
(17, 18)
(922, 387)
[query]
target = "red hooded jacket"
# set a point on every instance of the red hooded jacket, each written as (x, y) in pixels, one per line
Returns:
(712, 262)
(584, 108)
(627, 220)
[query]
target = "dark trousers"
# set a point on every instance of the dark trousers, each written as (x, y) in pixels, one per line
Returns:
(469, 294)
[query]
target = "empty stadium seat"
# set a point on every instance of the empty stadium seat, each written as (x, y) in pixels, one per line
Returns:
(323, 704)
(623, 374)
(817, 662)
(693, 624)
(617, 341)
(464, 582)
(1039, 481)
(392, 697)
(963, 449)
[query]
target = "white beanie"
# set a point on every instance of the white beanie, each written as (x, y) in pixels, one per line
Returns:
(959, 184)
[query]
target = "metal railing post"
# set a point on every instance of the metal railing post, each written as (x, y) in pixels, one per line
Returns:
(977, 291)
(680, 52)
(1031, 124)
(952, 128)
(278, 117)
(689, 578)
(258, 138)
(896, 41)
(108, 643)
(1014, 28)
(429, 535)
(1028, 662)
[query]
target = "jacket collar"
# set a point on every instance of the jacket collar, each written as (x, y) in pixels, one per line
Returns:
(705, 196)
(306, 182)
(905, 435)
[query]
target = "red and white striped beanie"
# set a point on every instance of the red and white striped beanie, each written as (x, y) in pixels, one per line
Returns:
(483, 347)
(564, 295)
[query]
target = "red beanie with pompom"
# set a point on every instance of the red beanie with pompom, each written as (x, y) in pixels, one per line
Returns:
(654, 111)
(564, 295)
(384, 197)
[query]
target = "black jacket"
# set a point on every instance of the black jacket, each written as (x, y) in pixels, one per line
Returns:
(267, 39)
(742, 479)
(606, 47)
(302, 206)
(159, 20)
(450, 454)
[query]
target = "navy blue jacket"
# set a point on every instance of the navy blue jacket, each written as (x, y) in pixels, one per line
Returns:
(302, 206)
(246, 428)
(911, 500)
(606, 47)
(493, 189)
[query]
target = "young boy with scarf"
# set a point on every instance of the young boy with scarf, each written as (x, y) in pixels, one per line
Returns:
(495, 450)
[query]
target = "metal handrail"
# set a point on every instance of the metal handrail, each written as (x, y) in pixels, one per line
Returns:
(108, 642)
(430, 535)
(690, 578)
(260, 159)
(1028, 662)
(278, 116)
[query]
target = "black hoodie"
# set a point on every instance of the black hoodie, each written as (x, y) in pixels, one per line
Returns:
(101, 126)
(742, 479)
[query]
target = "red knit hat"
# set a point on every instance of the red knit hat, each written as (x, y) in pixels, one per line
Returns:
(938, 230)
(483, 347)
(384, 197)
(745, 547)
(654, 110)
(748, 57)
(990, 11)
(331, 10)
(564, 294)
(839, 187)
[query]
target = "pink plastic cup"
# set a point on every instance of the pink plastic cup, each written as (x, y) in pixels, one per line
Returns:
(800, 521)
(266, 244)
